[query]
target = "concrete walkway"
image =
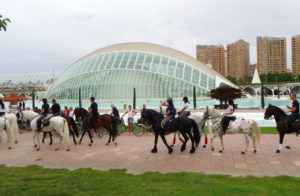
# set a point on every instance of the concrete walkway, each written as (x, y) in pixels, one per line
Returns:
(133, 154)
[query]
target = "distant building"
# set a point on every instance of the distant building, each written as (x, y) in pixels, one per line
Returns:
(214, 55)
(296, 55)
(238, 59)
(252, 68)
(271, 55)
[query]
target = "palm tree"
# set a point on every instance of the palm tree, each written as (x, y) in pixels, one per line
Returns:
(3, 23)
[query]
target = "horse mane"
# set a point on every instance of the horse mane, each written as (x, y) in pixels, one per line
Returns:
(215, 112)
(280, 110)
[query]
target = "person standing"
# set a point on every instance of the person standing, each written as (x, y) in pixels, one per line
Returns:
(66, 111)
(23, 104)
(228, 115)
(71, 112)
(55, 108)
(20, 105)
(294, 113)
(130, 113)
(44, 113)
(93, 113)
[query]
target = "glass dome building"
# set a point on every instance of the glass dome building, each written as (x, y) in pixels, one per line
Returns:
(156, 72)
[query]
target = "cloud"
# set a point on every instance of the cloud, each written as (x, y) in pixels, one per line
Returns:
(47, 35)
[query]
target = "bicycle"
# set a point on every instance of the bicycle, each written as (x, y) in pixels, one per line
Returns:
(139, 128)
(123, 127)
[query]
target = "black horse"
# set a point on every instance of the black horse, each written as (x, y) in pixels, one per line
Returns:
(182, 124)
(73, 130)
(281, 126)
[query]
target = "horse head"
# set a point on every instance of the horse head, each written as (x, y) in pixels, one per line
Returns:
(149, 116)
(273, 110)
(80, 113)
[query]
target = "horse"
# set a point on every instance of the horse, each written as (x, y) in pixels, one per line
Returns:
(9, 124)
(239, 125)
(57, 124)
(72, 127)
(103, 121)
(200, 121)
(281, 126)
(183, 124)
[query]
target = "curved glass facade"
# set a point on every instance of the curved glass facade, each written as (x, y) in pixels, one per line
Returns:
(111, 77)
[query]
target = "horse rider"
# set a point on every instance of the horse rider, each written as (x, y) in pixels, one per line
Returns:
(294, 113)
(45, 111)
(228, 115)
(93, 114)
(170, 113)
(55, 108)
(185, 110)
(2, 108)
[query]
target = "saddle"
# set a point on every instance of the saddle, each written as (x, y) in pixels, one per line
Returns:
(46, 121)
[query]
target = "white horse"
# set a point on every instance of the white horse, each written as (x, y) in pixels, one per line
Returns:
(57, 124)
(8, 123)
(198, 118)
(239, 125)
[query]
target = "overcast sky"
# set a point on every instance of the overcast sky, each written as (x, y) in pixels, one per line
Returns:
(48, 35)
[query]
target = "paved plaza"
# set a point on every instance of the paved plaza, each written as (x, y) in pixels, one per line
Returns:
(133, 154)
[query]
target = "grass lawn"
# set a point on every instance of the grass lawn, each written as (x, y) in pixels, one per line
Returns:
(265, 130)
(34, 180)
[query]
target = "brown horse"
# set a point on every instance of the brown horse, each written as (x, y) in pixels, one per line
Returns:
(103, 121)
(281, 126)
(72, 126)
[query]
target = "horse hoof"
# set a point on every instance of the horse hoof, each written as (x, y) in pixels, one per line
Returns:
(16, 142)
(38, 149)
(212, 149)
(116, 144)
(170, 151)
(90, 144)
(75, 143)
(79, 143)
(154, 150)
(255, 151)
(288, 147)
(172, 145)
(35, 145)
(192, 151)
(56, 149)
(68, 149)
(204, 146)
(196, 145)
(220, 151)
(182, 149)
(43, 141)
(242, 152)
(107, 144)
(9, 147)
(277, 151)
(50, 144)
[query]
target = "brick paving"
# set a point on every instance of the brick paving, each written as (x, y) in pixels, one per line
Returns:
(133, 154)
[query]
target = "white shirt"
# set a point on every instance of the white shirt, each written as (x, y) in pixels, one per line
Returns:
(186, 107)
(229, 108)
(71, 113)
(130, 114)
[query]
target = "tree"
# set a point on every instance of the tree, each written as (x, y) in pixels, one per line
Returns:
(3, 23)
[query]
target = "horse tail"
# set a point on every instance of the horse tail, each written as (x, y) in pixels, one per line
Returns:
(256, 131)
(74, 127)
(66, 133)
(114, 127)
(197, 136)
